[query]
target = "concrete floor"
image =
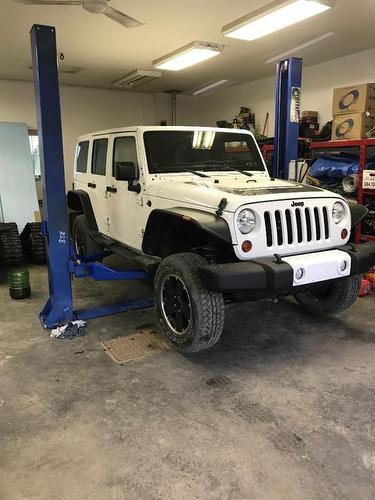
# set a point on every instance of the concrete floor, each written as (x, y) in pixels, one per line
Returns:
(282, 408)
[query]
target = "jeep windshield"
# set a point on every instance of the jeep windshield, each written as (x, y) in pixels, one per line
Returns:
(201, 150)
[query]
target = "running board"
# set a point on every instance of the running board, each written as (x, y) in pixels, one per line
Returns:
(139, 261)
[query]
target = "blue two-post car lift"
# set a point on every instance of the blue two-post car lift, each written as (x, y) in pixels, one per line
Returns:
(62, 259)
(287, 117)
(63, 262)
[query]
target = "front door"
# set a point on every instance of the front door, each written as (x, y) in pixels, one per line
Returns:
(125, 208)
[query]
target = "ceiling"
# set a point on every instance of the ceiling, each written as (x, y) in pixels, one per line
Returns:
(105, 50)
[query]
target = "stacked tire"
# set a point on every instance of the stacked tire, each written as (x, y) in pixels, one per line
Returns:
(11, 251)
(34, 243)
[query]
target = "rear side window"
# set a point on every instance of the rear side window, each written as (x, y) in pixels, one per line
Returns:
(81, 156)
(99, 156)
(124, 150)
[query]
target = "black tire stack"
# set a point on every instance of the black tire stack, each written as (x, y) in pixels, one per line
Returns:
(34, 243)
(11, 251)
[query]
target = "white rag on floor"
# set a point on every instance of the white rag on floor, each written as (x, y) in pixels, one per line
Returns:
(57, 332)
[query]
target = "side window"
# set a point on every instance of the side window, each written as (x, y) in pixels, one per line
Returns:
(81, 157)
(99, 156)
(124, 149)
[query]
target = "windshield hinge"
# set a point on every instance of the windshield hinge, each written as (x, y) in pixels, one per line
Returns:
(222, 205)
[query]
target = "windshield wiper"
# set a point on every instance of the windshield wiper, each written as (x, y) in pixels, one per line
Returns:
(200, 174)
(224, 163)
(248, 174)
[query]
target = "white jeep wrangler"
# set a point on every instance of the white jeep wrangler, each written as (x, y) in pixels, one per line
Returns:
(197, 207)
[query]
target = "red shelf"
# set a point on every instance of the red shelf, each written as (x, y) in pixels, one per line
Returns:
(367, 237)
(343, 144)
(362, 144)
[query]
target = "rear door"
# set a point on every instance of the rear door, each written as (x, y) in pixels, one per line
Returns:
(97, 181)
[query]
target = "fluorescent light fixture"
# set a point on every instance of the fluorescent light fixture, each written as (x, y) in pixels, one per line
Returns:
(137, 78)
(273, 17)
(212, 86)
(193, 53)
(203, 139)
(296, 50)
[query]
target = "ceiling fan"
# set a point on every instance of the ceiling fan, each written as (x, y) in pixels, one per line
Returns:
(93, 6)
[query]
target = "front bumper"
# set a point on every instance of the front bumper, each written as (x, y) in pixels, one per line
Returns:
(275, 275)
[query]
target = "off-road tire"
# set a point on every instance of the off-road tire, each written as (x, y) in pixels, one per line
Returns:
(84, 244)
(207, 307)
(11, 252)
(336, 298)
(34, 243)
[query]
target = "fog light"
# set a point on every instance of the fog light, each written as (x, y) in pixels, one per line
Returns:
(246, 246)
(344, 234)
(343, 265)
(299, 273)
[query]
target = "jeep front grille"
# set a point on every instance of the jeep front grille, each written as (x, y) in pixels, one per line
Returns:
(296, 225)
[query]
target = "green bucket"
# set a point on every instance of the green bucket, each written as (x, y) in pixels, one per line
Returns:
(19, 284)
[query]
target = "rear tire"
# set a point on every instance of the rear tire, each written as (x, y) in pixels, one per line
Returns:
(332, 298)
(84, 244)
(191, 316)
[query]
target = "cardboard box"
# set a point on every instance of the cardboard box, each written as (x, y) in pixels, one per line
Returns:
(310, 113)
(354, 99)
(351, 126)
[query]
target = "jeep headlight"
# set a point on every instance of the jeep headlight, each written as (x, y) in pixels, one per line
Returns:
(246, 221)
(338, 212)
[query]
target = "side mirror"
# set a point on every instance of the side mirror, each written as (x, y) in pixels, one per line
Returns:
(125, 171)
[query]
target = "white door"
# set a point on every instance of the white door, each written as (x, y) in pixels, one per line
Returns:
(97, 182)
(126, 211)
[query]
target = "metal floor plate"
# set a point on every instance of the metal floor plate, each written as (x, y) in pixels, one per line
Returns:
(141, 344)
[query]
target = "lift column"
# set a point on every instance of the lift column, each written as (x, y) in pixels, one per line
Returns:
(59, 307)
(287, 117)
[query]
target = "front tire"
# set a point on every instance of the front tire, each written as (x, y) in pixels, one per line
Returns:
(332, 298)
(191, 316)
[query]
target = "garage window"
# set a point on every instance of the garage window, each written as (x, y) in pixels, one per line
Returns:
(81, 156)
(99, 156)
(124, 150)
(35, 153)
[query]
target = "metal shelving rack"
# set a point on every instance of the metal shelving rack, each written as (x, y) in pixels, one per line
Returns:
(365, 148)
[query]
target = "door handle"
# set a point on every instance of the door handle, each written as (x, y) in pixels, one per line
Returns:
(111, 189)
(91, 185)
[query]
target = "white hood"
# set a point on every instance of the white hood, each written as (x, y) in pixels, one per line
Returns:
(236, 188)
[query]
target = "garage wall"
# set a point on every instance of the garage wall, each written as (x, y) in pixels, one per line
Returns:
(84, 110)
(317, 85)
(187, 109)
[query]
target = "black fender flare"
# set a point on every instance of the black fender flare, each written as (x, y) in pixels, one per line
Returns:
(358, 213)
(79, 201)
(210, 223)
